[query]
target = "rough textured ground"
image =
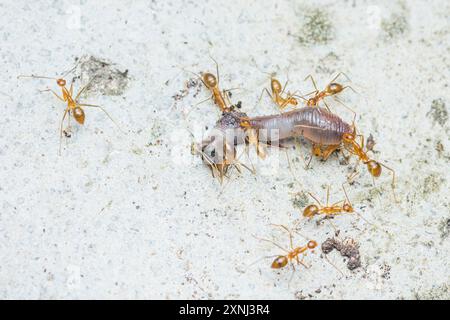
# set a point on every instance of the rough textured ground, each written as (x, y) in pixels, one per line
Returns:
(135, 216)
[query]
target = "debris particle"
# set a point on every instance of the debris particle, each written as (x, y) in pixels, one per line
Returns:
(189, 84)
(438, 112)
(300, 200)
(444, 228)
(432, 183)
(317, 28)
(394, 27)
(348, 248)
(370, 143)
(109, 80)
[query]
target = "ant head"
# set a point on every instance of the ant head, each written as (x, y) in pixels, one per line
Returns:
(210, 80)
(334, 88)
(275, 85)
(245, 123)
(279, 262)
(311, 102)
(61, 82)
(310, 210)
(348, 137)
(347, 208)
(293, 101)
(78, 114)
(374, 168)
(311, 244)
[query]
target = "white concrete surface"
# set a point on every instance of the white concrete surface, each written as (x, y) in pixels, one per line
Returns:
(118, 216)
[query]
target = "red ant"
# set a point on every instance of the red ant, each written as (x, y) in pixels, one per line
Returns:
(74, 107)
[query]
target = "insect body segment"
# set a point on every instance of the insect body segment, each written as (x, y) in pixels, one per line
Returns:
(343, 206)
(315, 124)
(74, 107)
(211, 82)
(331, 89)
(277, 94)
(293, 255)
(374, 167)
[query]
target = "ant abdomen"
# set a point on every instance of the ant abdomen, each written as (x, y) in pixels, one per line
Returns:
(210, 80)
(334, 88)
(279, 262)
(78, 114)
(310, 211)
(374, 168)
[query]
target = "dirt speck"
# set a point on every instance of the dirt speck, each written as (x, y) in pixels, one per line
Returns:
(328, 64)
(444, 228)
(441, 292)
(395, 26)
(432, 183)
(348, 248)
(317, 28)
(438, 112)
(300, 200)
(106, 78)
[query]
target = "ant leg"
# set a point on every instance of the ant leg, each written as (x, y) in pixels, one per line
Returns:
(349, 87)
(338, 75)
(54, 93)
(268, 93)
(346, 196)
(71, 87)
(353, 175)
(84, 88)
(317, 200)
(309, 162)
(272, 242)
(217, 69)
(328, 195)
(336, 231)
(284, 87)
(393, 174)
(292, 274)
(291, 241)
(103, 109)
(313, 81)
(347, 107)
(305, 95)
(361, 137)
(326, 105)
(61, 129)
(203, 101)
(329, 261)
(393, 181)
